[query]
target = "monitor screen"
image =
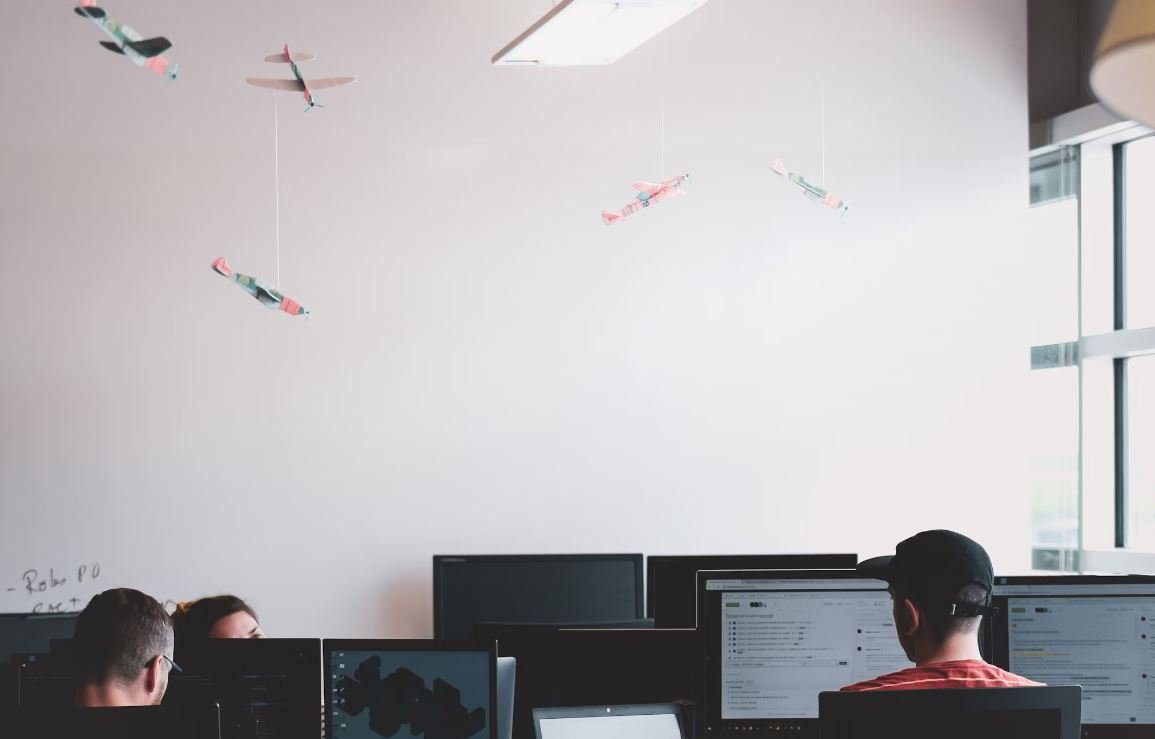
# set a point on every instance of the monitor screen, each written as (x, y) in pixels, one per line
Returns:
(774, 640)
(608, 722)
(27, 633)
(671, 581)
(438, 690)
(468, 590)
(1098, 632)
(265, 687)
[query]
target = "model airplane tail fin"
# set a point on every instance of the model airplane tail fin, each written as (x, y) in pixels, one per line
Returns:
(221, 267)
(609, 217)
(779, 167)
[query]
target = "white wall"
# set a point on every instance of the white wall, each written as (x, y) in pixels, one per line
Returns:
(488, 368)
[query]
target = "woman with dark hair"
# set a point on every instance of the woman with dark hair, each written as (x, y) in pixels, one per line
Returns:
(218, 617)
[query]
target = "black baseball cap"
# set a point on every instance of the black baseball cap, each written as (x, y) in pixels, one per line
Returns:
(933, 568)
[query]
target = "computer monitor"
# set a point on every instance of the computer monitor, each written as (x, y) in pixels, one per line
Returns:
(774, 640)
(583, 667)
(31, 633)
(265, 687)
(434, 689)
(990, 713)
(609, 722)
(138, 722)
(566, 588)
(1098, 632)
(672, 584)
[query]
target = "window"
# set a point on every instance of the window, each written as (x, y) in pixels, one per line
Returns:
(1100, 515)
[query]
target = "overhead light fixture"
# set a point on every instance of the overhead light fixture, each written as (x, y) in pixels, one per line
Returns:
(584, 32)
(1123, 75)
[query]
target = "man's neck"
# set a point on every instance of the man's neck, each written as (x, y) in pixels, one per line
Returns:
(955, 648)
(106, 695)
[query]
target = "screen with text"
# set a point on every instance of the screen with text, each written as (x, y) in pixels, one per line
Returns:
(1102, 643)
(782, 646)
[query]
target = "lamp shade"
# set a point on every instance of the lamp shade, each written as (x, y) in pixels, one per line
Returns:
(1123, 75)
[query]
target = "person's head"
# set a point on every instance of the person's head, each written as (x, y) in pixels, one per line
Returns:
(941, 584)
(218, 617)
(123, 648)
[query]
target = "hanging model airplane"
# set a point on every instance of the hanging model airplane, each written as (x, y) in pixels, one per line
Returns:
(143, 52)
(299, 83)
(809, 189)
(268, 296)
(648, 194)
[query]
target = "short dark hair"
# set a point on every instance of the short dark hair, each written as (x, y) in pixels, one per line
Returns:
(942, 624)
(118, 632)
(193, 621)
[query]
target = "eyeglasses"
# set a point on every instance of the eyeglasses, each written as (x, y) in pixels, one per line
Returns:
(166, 658)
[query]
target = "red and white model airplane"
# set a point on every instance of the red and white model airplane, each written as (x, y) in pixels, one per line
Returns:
(299, 83)
(648, 194)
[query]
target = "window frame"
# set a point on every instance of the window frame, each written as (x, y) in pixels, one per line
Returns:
(1103, 543)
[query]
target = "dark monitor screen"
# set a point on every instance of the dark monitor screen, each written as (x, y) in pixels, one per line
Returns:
(468, 590)
(585, 667)
(672, 584)
(990, 713)
(774, 640)
(379, 688)
(1098, 632)
(28, 633)
(266, 688)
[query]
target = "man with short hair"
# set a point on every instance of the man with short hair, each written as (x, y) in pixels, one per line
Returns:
(941, 583)
(123, 644)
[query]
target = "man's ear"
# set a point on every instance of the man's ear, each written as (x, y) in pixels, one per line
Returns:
(910, 618)
(152, 674)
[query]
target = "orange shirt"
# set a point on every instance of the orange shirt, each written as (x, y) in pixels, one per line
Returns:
(963, 673)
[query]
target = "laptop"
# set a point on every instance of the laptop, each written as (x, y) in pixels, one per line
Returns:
(655, 721)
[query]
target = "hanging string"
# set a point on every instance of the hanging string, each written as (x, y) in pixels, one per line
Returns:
(662, 135)
(276, 193)
(822, 129)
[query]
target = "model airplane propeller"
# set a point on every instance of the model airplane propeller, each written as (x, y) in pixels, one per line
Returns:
(648, 194)
(299, 83)
(144, 52)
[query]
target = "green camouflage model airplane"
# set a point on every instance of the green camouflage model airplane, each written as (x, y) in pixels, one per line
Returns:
(143, 52)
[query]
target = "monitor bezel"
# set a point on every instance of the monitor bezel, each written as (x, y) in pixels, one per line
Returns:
(722, 562)
(1000, 630)
(712, 721)
(641, 709)
(439, 560)
(328, 646)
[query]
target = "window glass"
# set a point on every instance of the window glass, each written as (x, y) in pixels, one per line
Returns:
(1141, 451)
(1139, 277)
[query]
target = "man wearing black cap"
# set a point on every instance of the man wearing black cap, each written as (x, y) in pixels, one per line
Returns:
(941, 584)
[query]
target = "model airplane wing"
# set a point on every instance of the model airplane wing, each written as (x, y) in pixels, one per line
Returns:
(88, 10)
(676, 193)
(150, 47)
(112, 46)
(647, 187)
(296, 56)
(290, 85)
(325, 82)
